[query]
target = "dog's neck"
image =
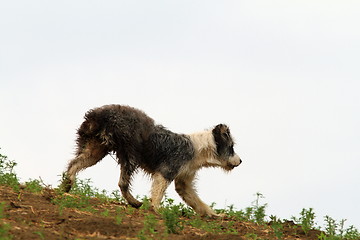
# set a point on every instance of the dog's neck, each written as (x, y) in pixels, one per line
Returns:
(205, 147)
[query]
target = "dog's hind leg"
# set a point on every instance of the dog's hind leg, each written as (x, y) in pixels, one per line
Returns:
(126, 173)
(158, 189)
(184, 187)
(87, 156)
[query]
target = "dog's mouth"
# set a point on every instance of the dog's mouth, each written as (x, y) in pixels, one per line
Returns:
(230, 167)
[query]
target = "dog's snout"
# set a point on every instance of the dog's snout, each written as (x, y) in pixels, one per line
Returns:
(238, 163)
(235, 161)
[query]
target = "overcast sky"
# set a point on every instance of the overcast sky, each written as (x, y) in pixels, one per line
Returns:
(284, 75)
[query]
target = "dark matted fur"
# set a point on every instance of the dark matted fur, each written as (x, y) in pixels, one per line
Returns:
(140, 143)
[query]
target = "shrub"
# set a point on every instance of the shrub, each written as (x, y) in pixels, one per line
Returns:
(33, 186)
(306, 220)
(171, 215)
(7, 174)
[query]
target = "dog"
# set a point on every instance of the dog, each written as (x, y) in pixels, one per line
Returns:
(138, 142)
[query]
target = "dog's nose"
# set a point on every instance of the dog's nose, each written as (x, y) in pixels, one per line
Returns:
(237, 164)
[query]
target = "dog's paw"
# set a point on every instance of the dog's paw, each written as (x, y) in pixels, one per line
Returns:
(220, 215)
(136, 204)
(213, 215)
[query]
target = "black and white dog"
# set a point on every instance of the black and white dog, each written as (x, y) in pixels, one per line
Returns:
(140, 143)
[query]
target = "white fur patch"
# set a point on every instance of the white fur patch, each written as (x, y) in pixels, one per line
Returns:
(203, 141)
(205, 149)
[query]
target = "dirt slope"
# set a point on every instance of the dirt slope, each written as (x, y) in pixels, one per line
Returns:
(29, 215)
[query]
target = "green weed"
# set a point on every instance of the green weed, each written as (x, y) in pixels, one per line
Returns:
(148, 231)
(82, 187)
(249, 213)
(102, 196)
(146, 204)
(7, 174)
(33, 186)
(336, 231)
(229, 228)
(70, 201)
(208, 226)
(277, 226)
(40, 234)
(352, 233)
(119, 215)
(171, 215)
(4, 228)
(306, 220)
(252, 236)
(331, 226)
(2, 208)
(4, 232)
(117, 197)
(105, 213)
(259, 210)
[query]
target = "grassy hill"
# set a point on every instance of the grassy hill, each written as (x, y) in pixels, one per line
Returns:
(33, 210)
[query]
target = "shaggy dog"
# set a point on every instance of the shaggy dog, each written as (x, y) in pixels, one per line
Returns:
(140, 143)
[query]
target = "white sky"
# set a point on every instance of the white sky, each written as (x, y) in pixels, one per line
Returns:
(283, 74)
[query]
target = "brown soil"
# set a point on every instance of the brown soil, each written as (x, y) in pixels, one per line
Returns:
(34, 216)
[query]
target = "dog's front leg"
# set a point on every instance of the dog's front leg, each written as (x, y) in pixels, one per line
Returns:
(158, 189)
(184, 187)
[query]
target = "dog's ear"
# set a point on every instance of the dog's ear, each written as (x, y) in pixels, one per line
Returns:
(221, 130)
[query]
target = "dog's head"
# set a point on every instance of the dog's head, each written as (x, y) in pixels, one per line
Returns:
(225, 153)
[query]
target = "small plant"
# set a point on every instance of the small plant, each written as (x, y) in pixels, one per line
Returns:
(117, 196)
(196, 222)
(69, 201)
(119, 215)
(352, 233)
(306, 220)
(102, 196)
(238, 215)
(208, 226)
(336, 230)
(331, 226)
(148, 230)
(146, 204)
(172, 221)
(230, 228)
(83, 188)
(82, 192)
(7, 174)
(186, 211)
(4, 232)
(248, 213)
(259, 210)
(251, 236)
(105, 213)
(2, 207)
(33, 186)
(171, 214)
(277, 226)
(4, 228)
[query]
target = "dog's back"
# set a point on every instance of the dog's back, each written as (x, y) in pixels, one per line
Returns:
(116, 126)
